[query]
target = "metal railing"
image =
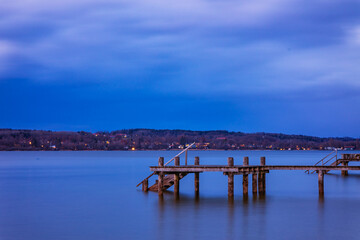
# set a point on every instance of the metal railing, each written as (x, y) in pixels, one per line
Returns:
(177, 155)
(331, 156)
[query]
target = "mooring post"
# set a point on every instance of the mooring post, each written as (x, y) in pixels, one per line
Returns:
(177, 161)
(254, 183)
(321, 182)
(245, 177)
(345, 172)
(197, 177)
(145, 185)
(177, 178)
(230, 179)
(262, 186)
(160, 177)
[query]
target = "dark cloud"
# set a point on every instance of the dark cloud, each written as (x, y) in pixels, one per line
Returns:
(236, 61)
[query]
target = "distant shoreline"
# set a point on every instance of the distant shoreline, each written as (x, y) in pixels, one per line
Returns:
(175, 150)
(166, 140)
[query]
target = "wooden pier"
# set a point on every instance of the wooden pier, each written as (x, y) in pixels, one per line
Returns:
(171, 175)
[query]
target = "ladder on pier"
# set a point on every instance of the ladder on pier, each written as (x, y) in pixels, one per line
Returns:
(168, 180)
(331, 156)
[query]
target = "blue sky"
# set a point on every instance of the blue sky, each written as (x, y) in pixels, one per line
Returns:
(289, 66)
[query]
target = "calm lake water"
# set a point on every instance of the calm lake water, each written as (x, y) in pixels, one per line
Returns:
(92, 195)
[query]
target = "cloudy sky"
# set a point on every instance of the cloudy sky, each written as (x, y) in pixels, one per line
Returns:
(289, 66)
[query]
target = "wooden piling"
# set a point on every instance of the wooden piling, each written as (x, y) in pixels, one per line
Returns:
(160, 177)
(262, 161)
(245, 184)
(145, 185)
(245, 177)
(230, 185)
(321, 182)
(345, 172)
(176, 178)
(261, 178)
(161, 161)
(246, 161)
(197, 178)
(176, 184)
(230, 179)
(230, 161)
(254, 183)
(261, 183)
(177, 161)
(197, 161)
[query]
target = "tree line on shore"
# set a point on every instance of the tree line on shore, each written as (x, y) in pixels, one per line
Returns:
(151, 139)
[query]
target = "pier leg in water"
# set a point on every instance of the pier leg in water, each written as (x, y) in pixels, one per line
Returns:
(197, 178)
(176, 185)
(230, 179)
(160, 183)
(245, 185)
(254, 184)
(261, 182)
(321, 183)
(230, 185)
(161, 177)
(344, 172)
(176, 179)
(245, 178)
(145, 185)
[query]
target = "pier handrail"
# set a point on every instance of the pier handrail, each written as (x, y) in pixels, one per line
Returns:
(185, 150)
(326, 163)
(322, 160)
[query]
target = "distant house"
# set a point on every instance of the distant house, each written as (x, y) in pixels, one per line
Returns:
(349, 148)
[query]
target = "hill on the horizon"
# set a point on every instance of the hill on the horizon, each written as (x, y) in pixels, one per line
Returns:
(152, 139)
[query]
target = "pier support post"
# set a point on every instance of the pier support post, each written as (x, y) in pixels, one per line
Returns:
(176, 185)
(321, 183)
(177, 178)
(160, 177)
(177, 161)
(230, 179)
(230, 185)
(254, 183)
(262, 181)
(344, 172)
(145, 185)
(230, 161)
(197, 178)
(245, 178)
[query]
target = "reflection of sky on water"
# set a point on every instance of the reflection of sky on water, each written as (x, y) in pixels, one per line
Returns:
(92, 195)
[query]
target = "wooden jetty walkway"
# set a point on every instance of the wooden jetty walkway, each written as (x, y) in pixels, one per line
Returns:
(171, 175)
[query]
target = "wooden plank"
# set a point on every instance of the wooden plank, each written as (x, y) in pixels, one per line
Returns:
(168, 181)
